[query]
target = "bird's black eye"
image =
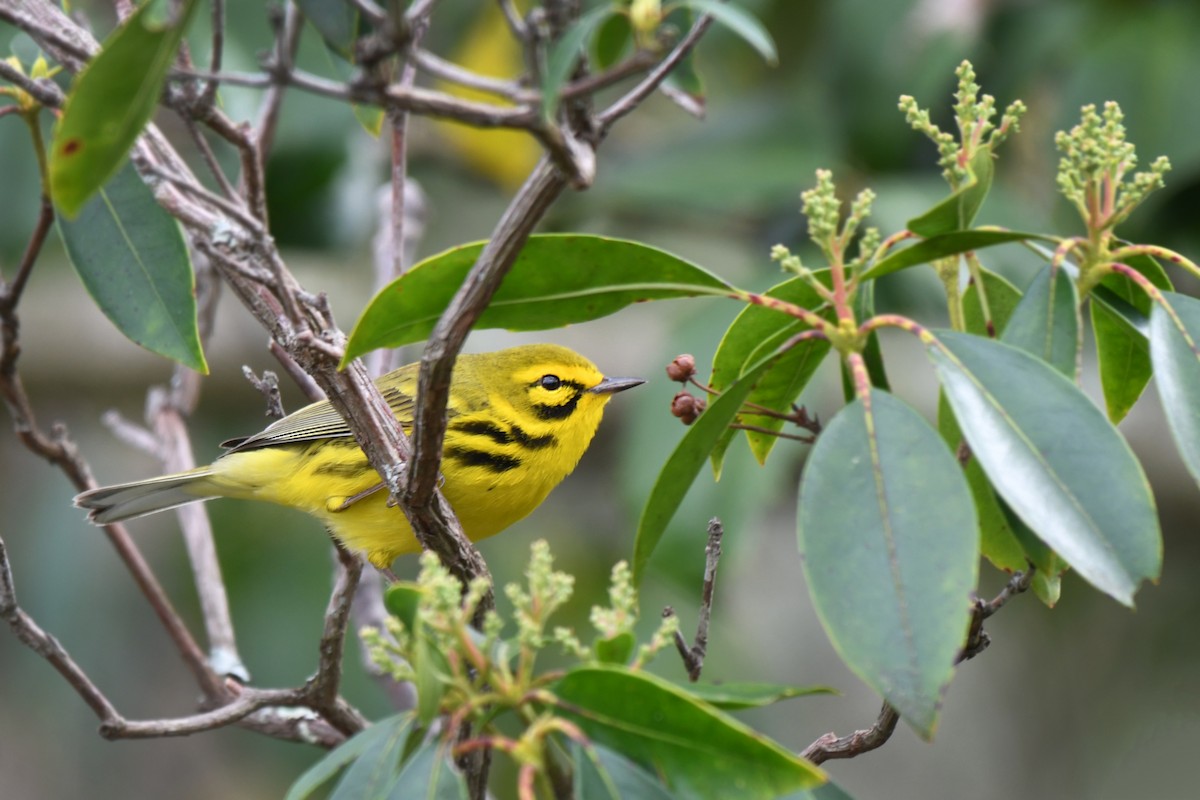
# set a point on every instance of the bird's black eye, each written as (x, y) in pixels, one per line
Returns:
(550, 382)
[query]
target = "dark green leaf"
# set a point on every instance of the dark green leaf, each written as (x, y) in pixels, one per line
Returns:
(372, 775)
(1046, 324)
(828, 791)
(684, 85)
(1174, 334)
(131, 256)
(431, 668)
(613, 41)
(557, 279)
(736, 696)
(741, 22)
(616, 649)
(947, 244)
(703, 752)
(755, 332)
(337, 22)
(110, 103)
(318, 774)
(685, 463)
(997, 541)
(1122, 349)
(887, 534)
(402, 600)
(603, 774)
(1054, 458)
(957, 212)
(565, 53)
(1001, 297)
(864, 308)
(428, 774)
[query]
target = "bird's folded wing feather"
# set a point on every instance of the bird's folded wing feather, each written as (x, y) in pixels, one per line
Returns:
(320, 421)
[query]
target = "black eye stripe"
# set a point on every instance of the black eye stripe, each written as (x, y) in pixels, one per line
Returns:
(545, 411)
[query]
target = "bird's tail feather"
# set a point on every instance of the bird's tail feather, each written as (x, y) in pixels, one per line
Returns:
(129, 500)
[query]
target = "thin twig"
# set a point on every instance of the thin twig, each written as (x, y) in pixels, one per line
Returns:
(209, 94)
(322, 688)
(299, 376)
(693, 656)
(831, 746)
(268, 386)
(287, 40)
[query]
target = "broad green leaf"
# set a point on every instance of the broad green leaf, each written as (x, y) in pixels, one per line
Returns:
(1046, 323)
(556, 280)
(755, 332)
(603, 774)
(957, 212)
(947, 244)
(613, 41)
(131, 256)
(372, 775)
(888, 538)
(429, 775)
(1122, 349)
(1052, 455)
(431, 668)
(111, 101)
(1174, 334)
(741, 22)
(864, 308)
(616, 649)
(703, 752)
(685, 462)
(336, 20)
(402, 600)
(320, 773)
(997, 541)
(735, 696)
(1002, 298)
(564, 55)
(684, 85)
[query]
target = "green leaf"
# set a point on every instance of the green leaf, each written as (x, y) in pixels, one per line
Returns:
(372, 775)
(735, 696)
(1174, 334)
(1046, 323)
(887, 534)
(402, 600)
(603, 774)
(565, 54)
(1002, 299)
(1122, 349)
(616, 649)
(947, 244)
(320, 773)
(703, 752)
(131, 256)
(827, 791)
(755, 332)
(556, 280)
(685, 462)
(110, 103)
(957, 212)
(431, 668)
(741, 22)
(1051, 454)
(428, 774)
(336, 20)
(684, 85)
(997, 542)
(613, 41)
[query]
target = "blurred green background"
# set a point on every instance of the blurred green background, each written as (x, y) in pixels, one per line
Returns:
(1088, 700)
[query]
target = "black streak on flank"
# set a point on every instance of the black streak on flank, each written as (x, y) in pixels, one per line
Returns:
(493, 462)
(498, 435)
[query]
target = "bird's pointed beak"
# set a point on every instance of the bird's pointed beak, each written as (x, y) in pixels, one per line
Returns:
(614, 385)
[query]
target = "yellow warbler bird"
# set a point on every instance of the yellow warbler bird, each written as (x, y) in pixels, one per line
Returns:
(519, 421)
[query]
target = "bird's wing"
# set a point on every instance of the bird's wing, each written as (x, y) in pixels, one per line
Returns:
(322, 421)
